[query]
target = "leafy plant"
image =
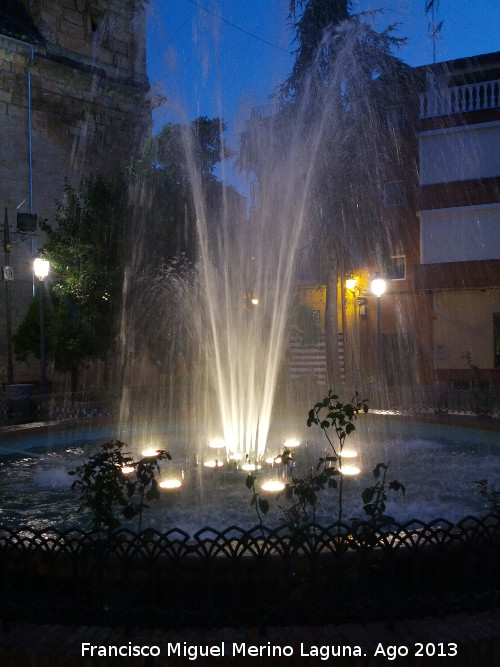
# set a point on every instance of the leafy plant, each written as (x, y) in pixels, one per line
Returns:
(374, 503)
(331, 413)
(107, 489)
(261, 504)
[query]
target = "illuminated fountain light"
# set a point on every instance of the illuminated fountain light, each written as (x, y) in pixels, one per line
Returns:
(217, 444)
(170, 484)
(150, 452)
(273, 485)
(235, 456)
(349, 470)
(250, 466)
(291, 443)
(213, 464)
(127, 470)
(349, 454)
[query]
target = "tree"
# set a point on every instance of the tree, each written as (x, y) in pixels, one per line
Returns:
(172, 187)
(344, 77)
(84, 247)
(309, 27)
(68, 341)
(176, 171)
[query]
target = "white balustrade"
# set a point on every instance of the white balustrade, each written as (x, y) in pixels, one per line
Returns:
(460, 99)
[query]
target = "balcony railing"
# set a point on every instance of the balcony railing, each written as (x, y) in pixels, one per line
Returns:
(460, 99)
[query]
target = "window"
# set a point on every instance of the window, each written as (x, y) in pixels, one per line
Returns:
(396, 268)
(394, 193)
(496, 340)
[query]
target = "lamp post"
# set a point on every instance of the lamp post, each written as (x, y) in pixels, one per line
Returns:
(41, 269)
(378, 287)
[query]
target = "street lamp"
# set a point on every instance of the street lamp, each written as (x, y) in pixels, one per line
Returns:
(378, 287)
(41, 269)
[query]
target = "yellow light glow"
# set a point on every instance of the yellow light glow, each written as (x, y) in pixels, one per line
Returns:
(127, 470)
(150, 452)
(235, 456)
(217, 444)
(349, 454)
(214, 464)
(170, 484)
(255, 302)
(351, 283)
(291, 443)
(278, 459)
(378, 286)
(270, 459)
(349, 470)
(41, 268)
(273, 485)
(250, 466)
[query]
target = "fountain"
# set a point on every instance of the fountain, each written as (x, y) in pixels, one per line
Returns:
(234, 303)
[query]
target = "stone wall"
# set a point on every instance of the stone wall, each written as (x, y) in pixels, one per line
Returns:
(76, 104)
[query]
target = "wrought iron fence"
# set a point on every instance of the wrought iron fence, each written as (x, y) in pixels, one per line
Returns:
(260, 576)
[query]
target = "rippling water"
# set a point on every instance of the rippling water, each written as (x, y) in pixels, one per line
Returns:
(437, 467)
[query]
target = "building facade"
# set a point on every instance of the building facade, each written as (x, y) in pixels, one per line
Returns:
(73, 102)
(459, 212)
(438, 322)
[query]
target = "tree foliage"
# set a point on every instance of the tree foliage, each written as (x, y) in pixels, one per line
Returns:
(176, 164)
(84, 247)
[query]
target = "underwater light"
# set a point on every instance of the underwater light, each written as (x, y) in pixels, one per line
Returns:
(293, 442)
(127, 470)
(170, 484)
(150, 452)
(348, 454)
(273, 485)
(217, 444)
(213, 464)
(349, 470)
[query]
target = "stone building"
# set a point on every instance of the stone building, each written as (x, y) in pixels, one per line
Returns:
(73, 102)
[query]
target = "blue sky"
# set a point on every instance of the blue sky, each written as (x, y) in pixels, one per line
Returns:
(222, 57)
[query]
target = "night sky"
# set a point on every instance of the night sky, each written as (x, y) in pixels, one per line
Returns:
(222, 57)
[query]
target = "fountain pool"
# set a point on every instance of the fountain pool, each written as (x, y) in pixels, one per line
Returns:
(438, 465)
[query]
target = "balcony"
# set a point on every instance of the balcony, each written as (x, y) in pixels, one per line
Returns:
(460, 99)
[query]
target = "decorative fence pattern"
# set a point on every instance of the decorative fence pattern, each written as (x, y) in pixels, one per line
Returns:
(259, 577)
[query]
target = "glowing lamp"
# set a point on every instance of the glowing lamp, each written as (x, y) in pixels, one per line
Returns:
(290, 444)
(41, 268)
(217, 444)
(273, 486)
(255, 301)
(349, 470)
(213, 464)
(128, 470)
(170, 484)
(150, 452)
(350, 283)
(378, 286)
(348, 454)
(250, 466)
